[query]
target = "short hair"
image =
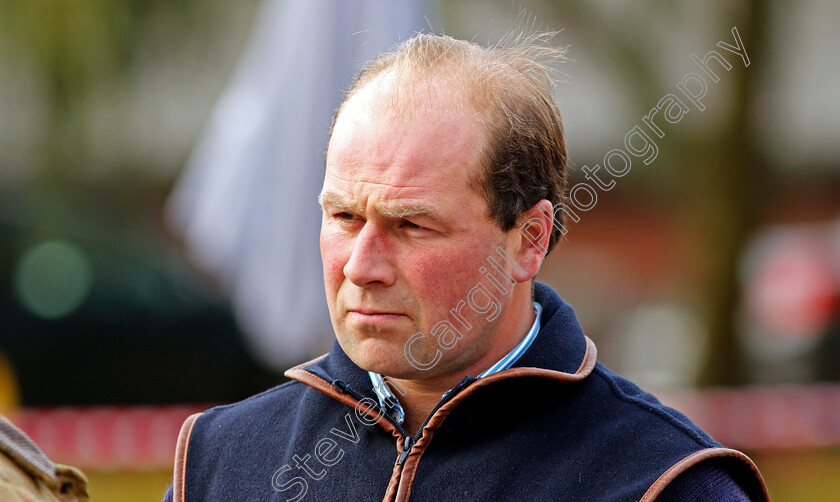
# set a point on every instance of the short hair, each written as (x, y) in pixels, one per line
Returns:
(509, 85)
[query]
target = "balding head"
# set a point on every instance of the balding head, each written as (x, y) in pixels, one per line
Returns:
(507, 89)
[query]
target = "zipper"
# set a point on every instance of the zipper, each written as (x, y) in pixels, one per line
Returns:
(407, 445)
(408, 441)
(346, 389)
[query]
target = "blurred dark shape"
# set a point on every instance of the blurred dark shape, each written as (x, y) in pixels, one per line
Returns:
(827, 353)
(147, 330)
(789, 312)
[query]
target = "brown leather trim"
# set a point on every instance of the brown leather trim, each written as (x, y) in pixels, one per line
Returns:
(318, 383)
(396, 476)
(695, 458)
(399, 488)
(590, 357)
(413, 460)
(180, 473)
(583, 371)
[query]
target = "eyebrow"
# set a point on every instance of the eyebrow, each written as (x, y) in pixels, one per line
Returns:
(391, 210)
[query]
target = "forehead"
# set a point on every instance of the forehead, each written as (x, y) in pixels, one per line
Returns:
(421, 141)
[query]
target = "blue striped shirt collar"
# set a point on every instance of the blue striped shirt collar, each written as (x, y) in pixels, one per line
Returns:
(389, 401)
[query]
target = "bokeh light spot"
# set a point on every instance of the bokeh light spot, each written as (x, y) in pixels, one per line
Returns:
(52, 279)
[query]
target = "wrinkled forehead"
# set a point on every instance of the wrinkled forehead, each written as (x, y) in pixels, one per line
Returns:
(433, 147)
(426, 107)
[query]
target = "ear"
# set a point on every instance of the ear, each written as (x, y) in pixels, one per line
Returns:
(532, 232)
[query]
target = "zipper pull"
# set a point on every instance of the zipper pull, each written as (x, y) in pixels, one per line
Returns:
(409, 443)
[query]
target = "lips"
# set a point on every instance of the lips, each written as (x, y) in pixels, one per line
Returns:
(375, 317)
(372, 312)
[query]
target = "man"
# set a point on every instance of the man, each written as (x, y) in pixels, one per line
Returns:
(454, 376)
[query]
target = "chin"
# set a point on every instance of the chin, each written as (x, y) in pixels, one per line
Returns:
(399, 368)
(372, 354)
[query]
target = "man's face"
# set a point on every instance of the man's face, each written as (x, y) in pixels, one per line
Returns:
(404, 234)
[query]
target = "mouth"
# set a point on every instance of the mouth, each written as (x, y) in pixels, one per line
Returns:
(365, 311)
(374, 316)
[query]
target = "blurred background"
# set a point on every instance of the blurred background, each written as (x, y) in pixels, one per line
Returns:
(159, 162)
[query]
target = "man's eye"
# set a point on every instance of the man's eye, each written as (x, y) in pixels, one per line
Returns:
(411, 225)
(343, 216)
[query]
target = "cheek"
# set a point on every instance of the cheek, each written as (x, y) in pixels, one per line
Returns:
(333, 257)
(444, 277)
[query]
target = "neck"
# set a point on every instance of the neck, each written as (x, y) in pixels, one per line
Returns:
(421, 395)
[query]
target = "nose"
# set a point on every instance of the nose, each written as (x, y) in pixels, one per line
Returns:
(369, 263)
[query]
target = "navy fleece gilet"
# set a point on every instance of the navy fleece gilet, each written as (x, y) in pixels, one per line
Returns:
(556, 426)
